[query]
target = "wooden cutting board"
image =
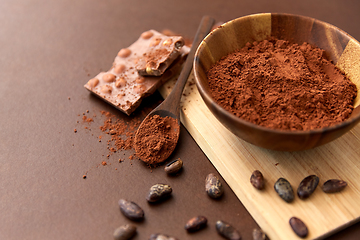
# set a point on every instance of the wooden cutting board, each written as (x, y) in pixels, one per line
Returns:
(236, 159)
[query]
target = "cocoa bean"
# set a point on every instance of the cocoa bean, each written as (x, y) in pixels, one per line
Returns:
(158, 236)
(196, 223)
(258, 234)
(158, 192)
(298, 227)
(257, 180)
(125, 232)
(227, 231)
(213, 186)
(131, 210)
(334, 185)
(284, 190)
(307, 186)
(174, 167)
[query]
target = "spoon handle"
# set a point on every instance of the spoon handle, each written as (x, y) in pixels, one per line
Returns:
(172, 102)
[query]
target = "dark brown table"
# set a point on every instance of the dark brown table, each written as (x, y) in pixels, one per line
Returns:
(49, 50)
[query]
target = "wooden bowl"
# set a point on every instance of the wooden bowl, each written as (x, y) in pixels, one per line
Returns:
(339, 47)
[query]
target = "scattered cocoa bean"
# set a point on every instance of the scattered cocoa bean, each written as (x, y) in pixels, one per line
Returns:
(157, 236)
(174, 167)
(125, 232)
(257, 180)
(334, 185)
(213, 186)
(227, 231)
(307, 186)
(298, 227)
(158, 192)
(284, 190)
(196, 223)
(259, 234)
(131, 210)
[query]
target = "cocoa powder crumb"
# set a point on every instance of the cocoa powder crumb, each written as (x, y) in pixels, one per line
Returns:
(280, 85)
(87, 119)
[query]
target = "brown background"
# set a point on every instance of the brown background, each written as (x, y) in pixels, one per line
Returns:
(49, 49)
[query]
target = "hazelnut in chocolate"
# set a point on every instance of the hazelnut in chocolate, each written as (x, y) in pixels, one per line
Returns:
(162, 51)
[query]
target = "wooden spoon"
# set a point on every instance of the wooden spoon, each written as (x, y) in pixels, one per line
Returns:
(170, 107)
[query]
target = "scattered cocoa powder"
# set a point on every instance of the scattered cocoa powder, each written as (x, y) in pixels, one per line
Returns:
(122, 133)
(280, 85)
(156, 139)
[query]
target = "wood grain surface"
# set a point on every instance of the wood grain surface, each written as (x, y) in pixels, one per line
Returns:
(236, 159)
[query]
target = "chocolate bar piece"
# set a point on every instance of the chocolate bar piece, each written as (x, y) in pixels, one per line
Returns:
(122, 86)
(161, 51)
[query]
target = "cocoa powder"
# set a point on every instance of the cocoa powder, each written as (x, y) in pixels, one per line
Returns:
(122, 133)
(156, 139)
(118, 133)
(280, 85)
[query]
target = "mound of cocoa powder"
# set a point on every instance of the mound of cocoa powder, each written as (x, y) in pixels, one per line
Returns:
(280, 85)
(156, 139)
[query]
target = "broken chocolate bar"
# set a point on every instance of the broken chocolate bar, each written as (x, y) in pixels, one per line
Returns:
(122, 86)
(160, 53)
